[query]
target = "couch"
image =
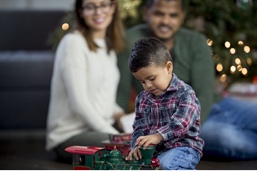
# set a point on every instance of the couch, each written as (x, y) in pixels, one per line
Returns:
(26, 64)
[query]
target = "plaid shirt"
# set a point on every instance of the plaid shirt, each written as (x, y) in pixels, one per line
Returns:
(175, 114)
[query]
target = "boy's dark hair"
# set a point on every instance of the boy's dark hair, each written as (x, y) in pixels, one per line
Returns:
(149, 3)
(146, 52)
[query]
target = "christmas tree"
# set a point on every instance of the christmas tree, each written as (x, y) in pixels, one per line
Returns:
(230, 28)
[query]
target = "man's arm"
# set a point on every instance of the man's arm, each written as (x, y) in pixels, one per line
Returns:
(125, 85)
(203, 76)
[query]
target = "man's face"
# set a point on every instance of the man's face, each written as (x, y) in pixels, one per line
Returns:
(165, 18)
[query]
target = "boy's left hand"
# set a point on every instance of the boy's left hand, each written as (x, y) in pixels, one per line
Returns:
(144, 141)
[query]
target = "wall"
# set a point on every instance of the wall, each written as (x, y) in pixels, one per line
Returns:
(36, 4)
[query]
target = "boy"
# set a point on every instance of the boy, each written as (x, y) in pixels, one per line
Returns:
(167, 112)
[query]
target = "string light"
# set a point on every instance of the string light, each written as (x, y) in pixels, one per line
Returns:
(232, 50)
(209, 42)
(237, 61)
(232, 69)
(249, 61)
(227, 44)
(240, 42)
(219, 67)
(244, 71)
(239, 68)
(247, 49)
(65, 26)
(223, 78)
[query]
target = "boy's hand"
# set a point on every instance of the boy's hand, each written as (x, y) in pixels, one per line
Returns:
(135, 152)
(144, 141)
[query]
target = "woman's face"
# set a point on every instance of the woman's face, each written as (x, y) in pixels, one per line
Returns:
(98, 15)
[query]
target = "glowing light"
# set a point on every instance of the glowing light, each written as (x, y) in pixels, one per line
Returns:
(209, 42)
(232, 69)
(239, 68)
(247, 49)
(65, 26)
(227, 44)
(249, 61)
(223, 78)
(237, 61)
(232, 50)
(244, 71)
(240, 42)
(219, 67)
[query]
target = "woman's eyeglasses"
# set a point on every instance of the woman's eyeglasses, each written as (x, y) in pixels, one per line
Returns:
(90, 9)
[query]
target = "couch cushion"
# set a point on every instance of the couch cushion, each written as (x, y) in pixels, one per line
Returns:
(25, 89)
(26, 69)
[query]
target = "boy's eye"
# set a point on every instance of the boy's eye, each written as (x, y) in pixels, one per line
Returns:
(152, 79)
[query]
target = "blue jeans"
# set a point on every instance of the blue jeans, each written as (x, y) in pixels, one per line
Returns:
(231, 130)
(179, 158)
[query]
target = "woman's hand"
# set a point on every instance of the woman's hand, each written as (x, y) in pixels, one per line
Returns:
(117, 117)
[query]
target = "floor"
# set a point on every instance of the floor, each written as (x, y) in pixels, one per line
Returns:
(27, 152)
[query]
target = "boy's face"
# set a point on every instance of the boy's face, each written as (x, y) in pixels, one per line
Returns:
(165, 18)
(155, 79)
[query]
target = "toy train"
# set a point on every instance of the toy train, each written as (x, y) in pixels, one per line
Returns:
(121, 142)
(98, 158)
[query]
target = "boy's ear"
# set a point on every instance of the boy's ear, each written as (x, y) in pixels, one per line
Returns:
(169, 66)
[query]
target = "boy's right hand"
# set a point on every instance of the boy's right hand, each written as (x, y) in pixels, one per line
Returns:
(135, 152)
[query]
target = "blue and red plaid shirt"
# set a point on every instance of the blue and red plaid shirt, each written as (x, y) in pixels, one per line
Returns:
(175, 114)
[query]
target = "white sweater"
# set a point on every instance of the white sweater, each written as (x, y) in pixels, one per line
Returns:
(83, 90)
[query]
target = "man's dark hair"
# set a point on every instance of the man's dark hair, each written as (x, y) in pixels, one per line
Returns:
(149, 3)
(146, 52)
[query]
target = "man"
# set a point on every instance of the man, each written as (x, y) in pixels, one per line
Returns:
(191, 56)
(230, 130)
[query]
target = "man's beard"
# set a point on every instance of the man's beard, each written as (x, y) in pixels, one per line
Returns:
(168, 39)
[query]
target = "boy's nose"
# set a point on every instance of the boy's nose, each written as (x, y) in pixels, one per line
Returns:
(148, 85)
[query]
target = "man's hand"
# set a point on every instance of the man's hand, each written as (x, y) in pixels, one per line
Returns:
(144, 141)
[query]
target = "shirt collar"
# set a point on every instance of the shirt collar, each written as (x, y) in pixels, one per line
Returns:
(173, 86)
(100, 42)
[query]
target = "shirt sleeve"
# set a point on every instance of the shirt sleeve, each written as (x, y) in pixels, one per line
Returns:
(118, 109)
(139, 126)
(75, 80)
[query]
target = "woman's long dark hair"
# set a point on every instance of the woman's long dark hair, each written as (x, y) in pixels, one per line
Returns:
(115, 31)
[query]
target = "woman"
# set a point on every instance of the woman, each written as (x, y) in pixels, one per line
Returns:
(83, 106)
